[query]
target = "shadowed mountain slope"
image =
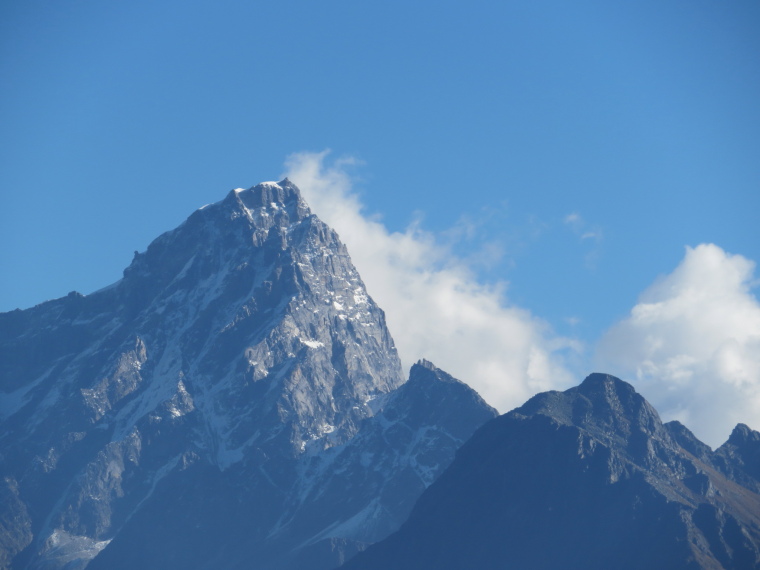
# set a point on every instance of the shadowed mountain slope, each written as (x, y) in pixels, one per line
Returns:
(586, 478)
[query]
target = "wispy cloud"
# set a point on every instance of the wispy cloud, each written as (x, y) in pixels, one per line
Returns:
(586, 233)
(573, 321)
(693, 344)
(473, 237)
(435, 307)
(581, 228)
(575, 221)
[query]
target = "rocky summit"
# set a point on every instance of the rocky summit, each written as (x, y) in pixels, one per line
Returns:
(584, 479)
(234, 401)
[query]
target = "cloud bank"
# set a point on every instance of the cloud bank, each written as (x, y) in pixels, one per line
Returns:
(693, 344)
(435, 307)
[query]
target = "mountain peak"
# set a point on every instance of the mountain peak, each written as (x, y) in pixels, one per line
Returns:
(243, 339)
(740, 455)
(607, 383)
(617, 406)
(426, 364)
(612, 394)
(426, 378)
(426, 369)
(586, 478)
(742, 435)
(267, 199)
(606, 408)
(597, 396)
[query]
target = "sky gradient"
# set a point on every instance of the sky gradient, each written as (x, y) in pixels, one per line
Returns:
(559, 156)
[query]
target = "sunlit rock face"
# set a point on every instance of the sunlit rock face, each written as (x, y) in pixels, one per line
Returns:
(193, 413)
(586, 478)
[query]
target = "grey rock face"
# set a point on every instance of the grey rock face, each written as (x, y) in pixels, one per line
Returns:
(396, 455)
(586, 478)
(739, 457)
(181, 408)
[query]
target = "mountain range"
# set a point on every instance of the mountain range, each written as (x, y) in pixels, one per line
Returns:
(236, 401)
(587, 478)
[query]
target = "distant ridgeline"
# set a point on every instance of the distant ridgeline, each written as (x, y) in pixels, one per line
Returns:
(236, 401)
(589, 478)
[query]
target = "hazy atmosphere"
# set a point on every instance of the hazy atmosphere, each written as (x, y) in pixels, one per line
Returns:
(531, 191)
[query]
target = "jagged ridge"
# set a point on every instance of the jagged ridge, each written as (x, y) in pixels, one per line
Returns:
(178, 408)
(586, 478)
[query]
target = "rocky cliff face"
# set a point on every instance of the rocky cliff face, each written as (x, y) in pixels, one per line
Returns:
(199, 407)
(397, 453)
(587, 478)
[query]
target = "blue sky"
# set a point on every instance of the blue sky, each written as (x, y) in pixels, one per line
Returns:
(564, 152)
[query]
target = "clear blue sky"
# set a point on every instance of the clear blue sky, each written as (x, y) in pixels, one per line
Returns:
(118, 119)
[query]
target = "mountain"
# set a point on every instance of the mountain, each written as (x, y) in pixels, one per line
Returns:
(587, 478)
(235, 400)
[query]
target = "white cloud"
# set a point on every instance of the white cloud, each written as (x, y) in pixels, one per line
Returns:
(435, 307)
(693, 344)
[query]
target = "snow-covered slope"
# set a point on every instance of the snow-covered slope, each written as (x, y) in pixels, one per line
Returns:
(202, 405)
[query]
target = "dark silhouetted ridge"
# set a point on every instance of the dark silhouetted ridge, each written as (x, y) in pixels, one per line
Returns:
(588, 478)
